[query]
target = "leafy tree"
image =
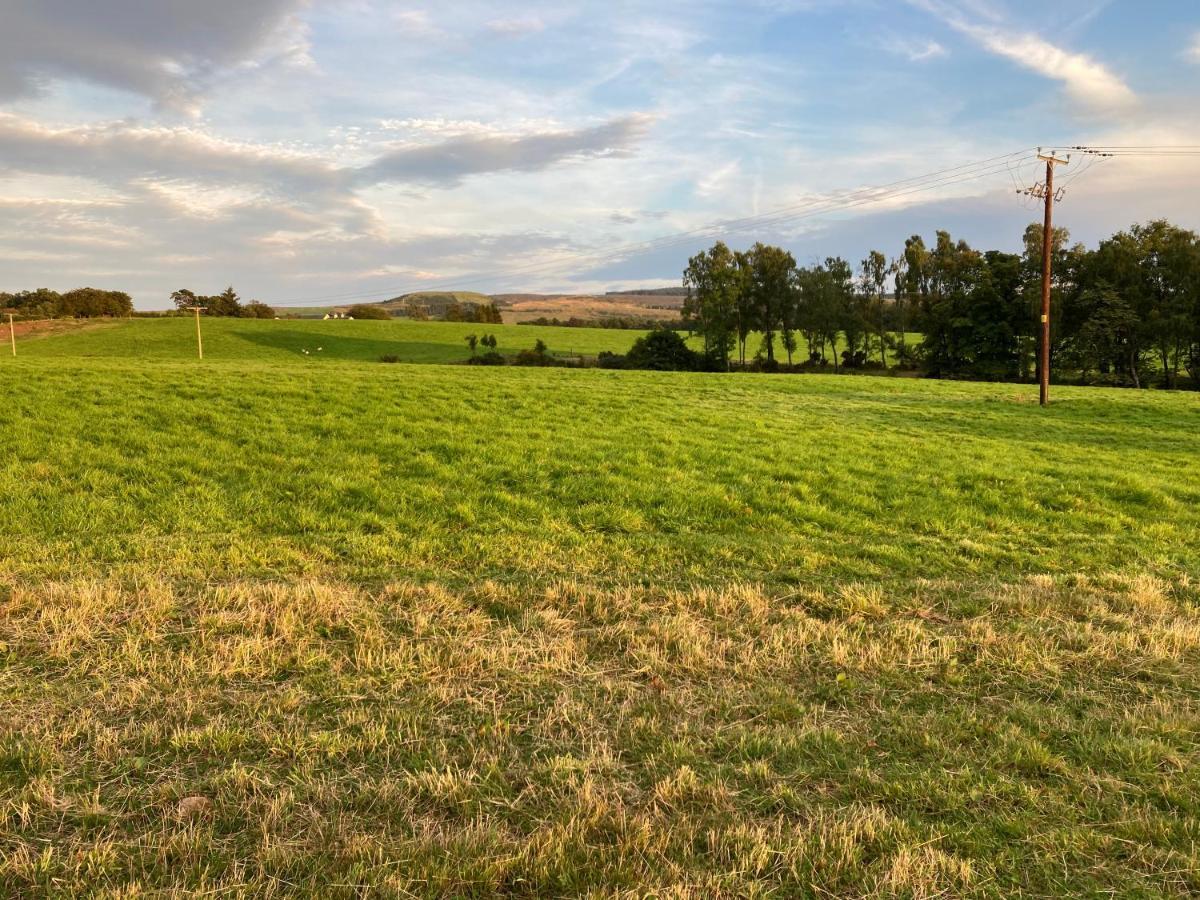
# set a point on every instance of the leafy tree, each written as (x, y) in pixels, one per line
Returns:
(873, 280)
(1108, 341)
(87, 303)
(745, 314)
(183, 299)
(371, 311)
(256, 310)
(662, 350)
(714, 283)
(226, 303)
(771, 287)
(899, 272)
(472, 342)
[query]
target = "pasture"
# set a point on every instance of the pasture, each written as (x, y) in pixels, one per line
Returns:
(274, 625)
(340, 340)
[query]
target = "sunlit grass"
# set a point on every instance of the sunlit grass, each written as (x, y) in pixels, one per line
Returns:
(286, 627)
(315, 342)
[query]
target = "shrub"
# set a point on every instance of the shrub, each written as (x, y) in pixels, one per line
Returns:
(256, 310)
(538, 356)
(368, 311)
(609, 360)
(663, 350)
(491, 358)
(389, 358)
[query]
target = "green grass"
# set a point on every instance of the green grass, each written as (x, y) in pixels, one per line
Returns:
(444, 631)
(326, 341)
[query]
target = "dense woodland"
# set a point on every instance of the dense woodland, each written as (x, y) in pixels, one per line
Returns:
(1126, 313)
(81, 303)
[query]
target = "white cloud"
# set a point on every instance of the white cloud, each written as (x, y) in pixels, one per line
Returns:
(1086, 80)
(521, 27)
(914, 49)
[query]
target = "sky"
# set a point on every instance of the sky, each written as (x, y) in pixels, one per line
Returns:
(322, 151)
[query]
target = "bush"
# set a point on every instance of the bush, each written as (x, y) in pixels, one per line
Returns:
(538, 356)
(389, 358)
(368, 311)
(609, 360)
(256, 310)
(663, 350)
(492, 358)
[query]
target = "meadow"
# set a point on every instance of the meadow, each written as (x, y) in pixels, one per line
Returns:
(335, 340)
(272, 626)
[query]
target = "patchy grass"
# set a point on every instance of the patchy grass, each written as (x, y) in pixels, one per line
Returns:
(273, 628)
(252, 739)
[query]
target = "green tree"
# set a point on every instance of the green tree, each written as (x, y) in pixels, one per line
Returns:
(369, 311)
(88, 303)
(662, 350)
(185, 299)
(226, 303)
(256, 310)
(714, 282)
(873, 279)
(771, 286)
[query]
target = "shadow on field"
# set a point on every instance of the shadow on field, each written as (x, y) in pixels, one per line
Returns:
(346, 347)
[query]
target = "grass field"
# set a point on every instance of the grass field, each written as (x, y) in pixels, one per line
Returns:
(274, 628)
(326, 341)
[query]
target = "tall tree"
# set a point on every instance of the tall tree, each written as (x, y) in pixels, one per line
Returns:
(714, 282)
(873, 279)
(226, 303)
(771, 284)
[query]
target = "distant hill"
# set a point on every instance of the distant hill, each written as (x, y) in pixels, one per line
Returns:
(655, 303)
(650, 292)
(436, 298)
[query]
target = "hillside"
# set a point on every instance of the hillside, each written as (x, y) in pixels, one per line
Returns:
(435, 300)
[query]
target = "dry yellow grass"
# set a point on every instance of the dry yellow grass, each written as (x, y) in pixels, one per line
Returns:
(284, 739)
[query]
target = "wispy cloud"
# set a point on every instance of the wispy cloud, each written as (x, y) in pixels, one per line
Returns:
(1090, 82)
(448, 162)
(520, 27)
(1192, 53)
(913, 49)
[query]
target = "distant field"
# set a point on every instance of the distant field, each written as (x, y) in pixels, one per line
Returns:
(277, 626)
(325, 341)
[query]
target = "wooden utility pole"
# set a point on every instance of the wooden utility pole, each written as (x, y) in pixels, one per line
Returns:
(1047, 192)
(12, 334)
(199, 342)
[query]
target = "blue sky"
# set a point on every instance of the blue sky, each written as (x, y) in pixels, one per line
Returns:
(356, 148)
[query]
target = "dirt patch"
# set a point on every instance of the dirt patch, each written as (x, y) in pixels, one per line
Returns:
(45, 327)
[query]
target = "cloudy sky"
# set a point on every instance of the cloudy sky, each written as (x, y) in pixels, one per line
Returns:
(314, 150)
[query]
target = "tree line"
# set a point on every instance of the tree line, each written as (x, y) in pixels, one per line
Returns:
(226, 303)
(455, 311)
(81, 303)
(1126, 312)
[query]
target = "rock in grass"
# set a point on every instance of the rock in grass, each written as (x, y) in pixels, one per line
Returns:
(193, 808)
